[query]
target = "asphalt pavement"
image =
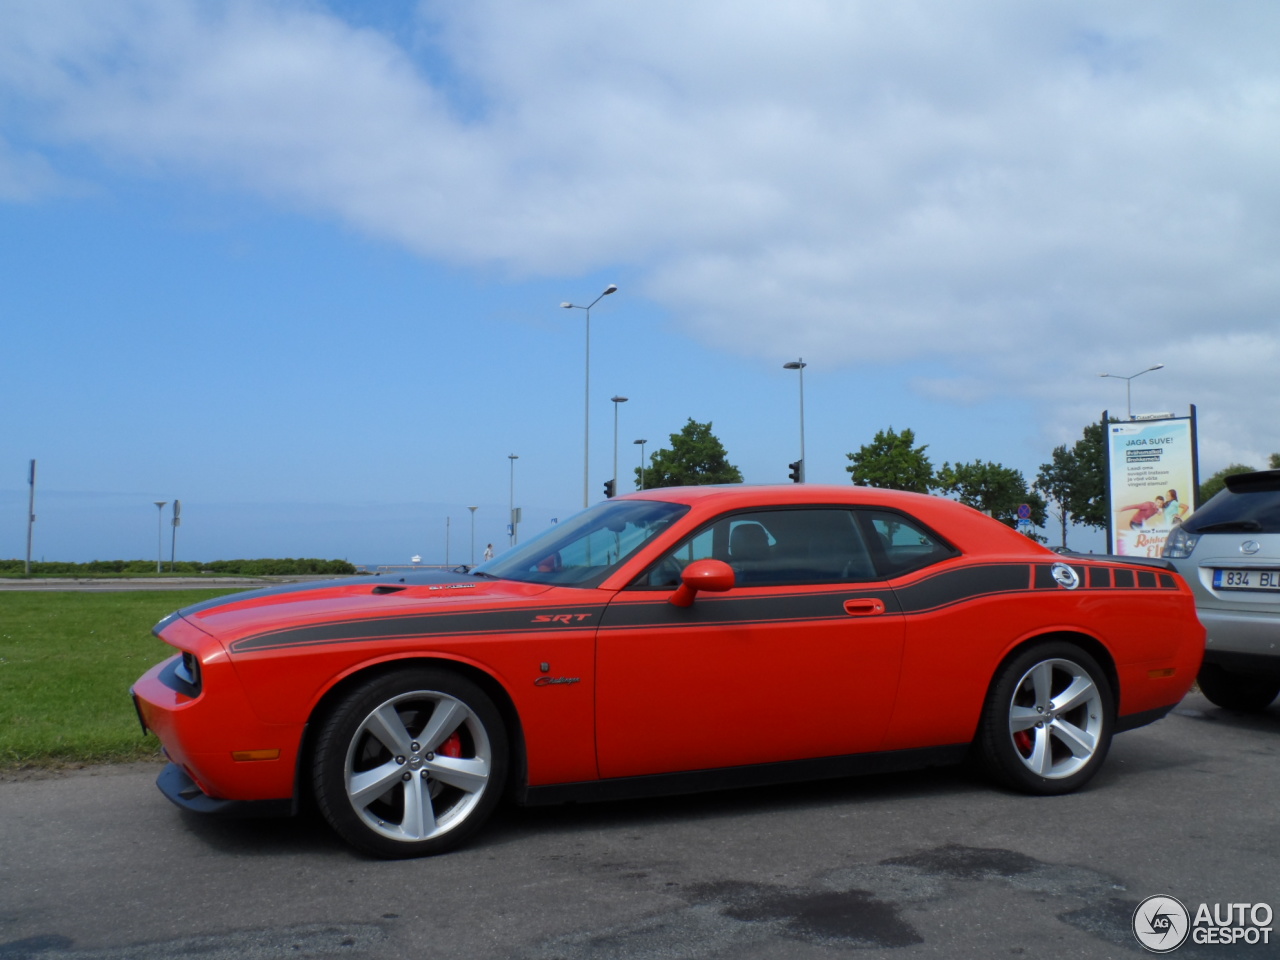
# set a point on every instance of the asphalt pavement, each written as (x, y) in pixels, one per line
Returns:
(96, 865)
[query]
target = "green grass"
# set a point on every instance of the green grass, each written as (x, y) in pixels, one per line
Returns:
(67, 661)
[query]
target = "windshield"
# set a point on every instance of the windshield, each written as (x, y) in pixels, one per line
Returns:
(588, 547)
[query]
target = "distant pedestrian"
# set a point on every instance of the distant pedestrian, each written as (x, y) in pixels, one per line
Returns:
(488, 553)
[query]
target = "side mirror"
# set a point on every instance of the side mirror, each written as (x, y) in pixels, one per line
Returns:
(714, 575)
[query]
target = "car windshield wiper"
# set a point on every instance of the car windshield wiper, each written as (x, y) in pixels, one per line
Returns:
(1226, 526)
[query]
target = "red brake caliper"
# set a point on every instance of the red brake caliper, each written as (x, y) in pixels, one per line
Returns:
(452, 746)
(1022, 740)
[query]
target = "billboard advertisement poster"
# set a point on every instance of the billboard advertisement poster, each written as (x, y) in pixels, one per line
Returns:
(1152, 482)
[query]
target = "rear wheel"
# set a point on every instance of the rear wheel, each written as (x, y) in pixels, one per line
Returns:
(1047, 723)
(410, 764)
(1237, 691)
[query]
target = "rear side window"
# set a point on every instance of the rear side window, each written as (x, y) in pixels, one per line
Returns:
(901, 544)
(1250, 503)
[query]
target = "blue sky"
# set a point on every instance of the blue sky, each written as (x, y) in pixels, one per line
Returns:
(300, 264)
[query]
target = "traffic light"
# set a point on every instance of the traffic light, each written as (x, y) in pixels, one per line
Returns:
(608, 489)
(797, 471)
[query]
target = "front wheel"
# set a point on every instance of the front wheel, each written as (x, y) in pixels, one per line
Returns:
(410, 764)
(1047, 723)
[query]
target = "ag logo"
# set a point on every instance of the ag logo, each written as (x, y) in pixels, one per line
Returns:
(1161, 924)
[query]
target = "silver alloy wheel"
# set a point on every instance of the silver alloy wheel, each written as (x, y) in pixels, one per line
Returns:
(418, 765)
(1056, 717)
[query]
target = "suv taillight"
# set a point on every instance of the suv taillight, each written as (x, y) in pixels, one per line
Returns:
(1179, 544)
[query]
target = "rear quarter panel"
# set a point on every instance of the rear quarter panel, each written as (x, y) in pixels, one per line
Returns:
(958, 635)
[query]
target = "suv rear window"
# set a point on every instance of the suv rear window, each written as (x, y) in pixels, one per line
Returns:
(1249, 504)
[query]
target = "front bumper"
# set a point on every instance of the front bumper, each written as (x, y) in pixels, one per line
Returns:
(216, 742)
(181, 790)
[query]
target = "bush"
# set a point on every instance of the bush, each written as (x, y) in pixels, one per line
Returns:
(136, 568)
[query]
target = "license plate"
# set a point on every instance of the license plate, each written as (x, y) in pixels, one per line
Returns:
(1246, 580)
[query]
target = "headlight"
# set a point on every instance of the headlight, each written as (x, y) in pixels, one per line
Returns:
(1179, 544)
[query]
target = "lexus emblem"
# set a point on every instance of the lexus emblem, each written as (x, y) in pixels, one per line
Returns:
(1250, 546)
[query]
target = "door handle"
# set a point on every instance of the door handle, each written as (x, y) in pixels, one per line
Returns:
(865, 607)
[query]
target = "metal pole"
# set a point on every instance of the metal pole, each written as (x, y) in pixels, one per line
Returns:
(173, 547)
(31, 514)
(641, 444)
(159, 532)
(447, 522)
(616, 401)
(473, 535)
(799, 365)
(802, 365)
(513, 458)
(586, 416)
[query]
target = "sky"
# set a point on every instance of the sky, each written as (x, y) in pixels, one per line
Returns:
(299, 264)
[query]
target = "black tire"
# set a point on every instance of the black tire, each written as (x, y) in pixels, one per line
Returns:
(1027, 740)
(1237, 691)
(410, 764)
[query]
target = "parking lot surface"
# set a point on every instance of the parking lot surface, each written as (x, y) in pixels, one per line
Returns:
(935, 864)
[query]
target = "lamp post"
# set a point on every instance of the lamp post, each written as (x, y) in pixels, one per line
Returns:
(586, 417)
(799, 365)
(617, 401)
(641, 444)
(1128, 385)
(473, 534)
(513, 458)
(159, 532)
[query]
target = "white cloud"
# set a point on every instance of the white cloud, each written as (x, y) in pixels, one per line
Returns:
(1027, 194)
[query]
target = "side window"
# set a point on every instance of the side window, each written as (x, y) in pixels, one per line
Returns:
(776, 547)
(901, 544)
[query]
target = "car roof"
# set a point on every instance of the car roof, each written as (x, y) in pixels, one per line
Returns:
(750, 494)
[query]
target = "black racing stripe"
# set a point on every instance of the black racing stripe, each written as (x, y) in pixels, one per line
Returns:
(950, 587)
(465, 623)
(712, 610)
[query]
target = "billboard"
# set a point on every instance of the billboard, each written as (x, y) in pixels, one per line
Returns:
(1151, 467)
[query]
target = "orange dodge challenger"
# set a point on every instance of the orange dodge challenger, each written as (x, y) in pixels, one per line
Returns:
(662, 642)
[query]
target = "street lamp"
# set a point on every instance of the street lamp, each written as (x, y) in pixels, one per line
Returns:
(617, 401)
(799, 365)
(473, 534)
(586, 417)
(159, 531)
(641, 443)
(513, 458)
(1128, 395)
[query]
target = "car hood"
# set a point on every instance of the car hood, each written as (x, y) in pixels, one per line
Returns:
(256, 612)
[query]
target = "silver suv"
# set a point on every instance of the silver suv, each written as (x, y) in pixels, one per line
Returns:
(1229, 552)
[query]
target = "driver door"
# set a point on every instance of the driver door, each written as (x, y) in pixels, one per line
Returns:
(799, 660)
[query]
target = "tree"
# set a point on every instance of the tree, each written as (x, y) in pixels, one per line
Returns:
(992, 488)
(892, 460)
(1275, 461)
(1087, 500)
(1057, 482)
(696, 457)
